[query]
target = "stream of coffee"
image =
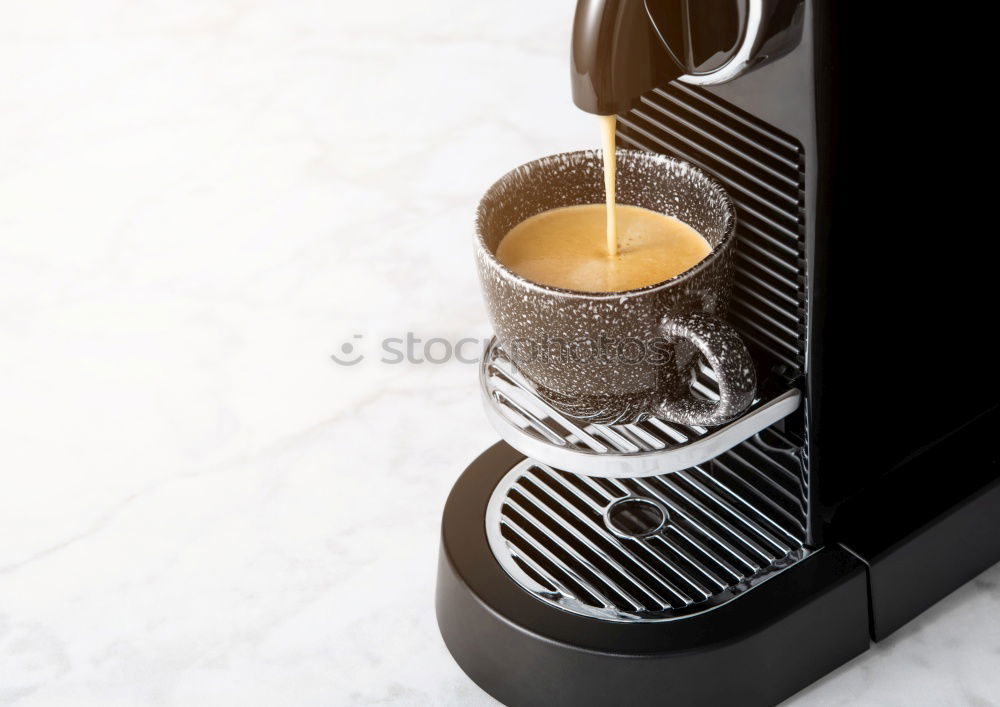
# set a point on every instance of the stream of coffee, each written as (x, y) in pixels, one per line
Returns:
(608, 124)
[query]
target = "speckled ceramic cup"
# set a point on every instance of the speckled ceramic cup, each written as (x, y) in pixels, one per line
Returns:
(619, 357)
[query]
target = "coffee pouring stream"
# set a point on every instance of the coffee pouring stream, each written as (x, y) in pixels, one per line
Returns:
(608, 123)
(618, 53)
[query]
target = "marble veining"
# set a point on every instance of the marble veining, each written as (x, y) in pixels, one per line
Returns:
(200, 202)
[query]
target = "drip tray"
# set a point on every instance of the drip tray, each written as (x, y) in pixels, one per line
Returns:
(652, 549)
(576, 595)
(649, 448)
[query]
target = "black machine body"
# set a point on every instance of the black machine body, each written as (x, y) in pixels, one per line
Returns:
(846, 135)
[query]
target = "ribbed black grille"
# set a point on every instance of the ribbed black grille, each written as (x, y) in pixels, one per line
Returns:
(763, 171)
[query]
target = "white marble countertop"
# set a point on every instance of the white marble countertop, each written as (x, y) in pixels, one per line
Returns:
(199, 203)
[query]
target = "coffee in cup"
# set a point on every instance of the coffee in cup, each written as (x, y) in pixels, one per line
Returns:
(567, 248)
(601, 352)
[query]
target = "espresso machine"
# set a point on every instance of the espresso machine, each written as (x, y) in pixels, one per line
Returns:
(588, 564)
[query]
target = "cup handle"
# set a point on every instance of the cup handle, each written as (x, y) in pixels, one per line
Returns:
(726, 353)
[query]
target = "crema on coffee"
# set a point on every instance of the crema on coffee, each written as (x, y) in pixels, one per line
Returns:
(567, 248)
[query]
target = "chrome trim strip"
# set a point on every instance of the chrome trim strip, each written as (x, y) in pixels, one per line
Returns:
(741, 59)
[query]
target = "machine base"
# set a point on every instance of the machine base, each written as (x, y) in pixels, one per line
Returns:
(757, 650)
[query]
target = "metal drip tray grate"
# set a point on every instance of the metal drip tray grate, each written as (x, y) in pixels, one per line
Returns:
(648, 448)
(650, 549)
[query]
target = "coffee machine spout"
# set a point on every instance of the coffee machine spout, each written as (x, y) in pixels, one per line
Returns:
(617, 55)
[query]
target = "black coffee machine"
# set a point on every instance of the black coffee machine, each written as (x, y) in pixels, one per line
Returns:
(584, 564)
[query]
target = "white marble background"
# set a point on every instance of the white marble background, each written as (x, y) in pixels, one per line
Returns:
(200, 201)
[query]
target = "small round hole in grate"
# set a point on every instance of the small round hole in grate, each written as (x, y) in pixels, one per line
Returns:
(633, 517)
